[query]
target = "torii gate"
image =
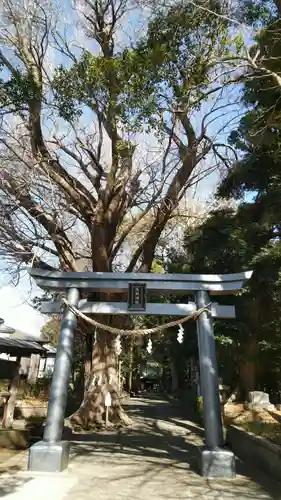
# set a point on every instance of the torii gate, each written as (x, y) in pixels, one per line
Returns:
(52, 454)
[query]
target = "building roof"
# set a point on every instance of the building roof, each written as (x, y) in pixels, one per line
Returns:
(50, 350)
(20, 335)
(6, 329)
(22, 348)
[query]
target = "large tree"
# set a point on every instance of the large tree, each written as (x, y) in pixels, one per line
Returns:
(76, 116)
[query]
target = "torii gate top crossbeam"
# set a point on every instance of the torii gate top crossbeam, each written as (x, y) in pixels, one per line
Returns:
(155, 283)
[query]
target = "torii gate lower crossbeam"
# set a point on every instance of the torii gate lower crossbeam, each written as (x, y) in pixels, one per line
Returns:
(52, 454)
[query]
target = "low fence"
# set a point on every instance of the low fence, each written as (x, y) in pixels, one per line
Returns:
(255, 450)
(29, 410)
(14, 439)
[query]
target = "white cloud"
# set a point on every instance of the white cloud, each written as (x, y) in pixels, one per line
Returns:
(17, 313)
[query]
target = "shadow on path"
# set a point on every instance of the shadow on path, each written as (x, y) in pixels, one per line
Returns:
(163, 437)
(10, 482)
(153, 446)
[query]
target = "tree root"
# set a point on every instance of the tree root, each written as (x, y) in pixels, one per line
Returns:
(87, 419)
(124, 419)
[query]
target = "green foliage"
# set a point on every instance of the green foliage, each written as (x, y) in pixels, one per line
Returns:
(169, 64)
(51, 331)
(238, 42)
(256, 11)
(157, 267)
(20, 90)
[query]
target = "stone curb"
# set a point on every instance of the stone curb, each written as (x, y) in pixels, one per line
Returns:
(255, 450)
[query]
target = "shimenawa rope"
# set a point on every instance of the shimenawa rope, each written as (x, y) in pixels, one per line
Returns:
(138, 331)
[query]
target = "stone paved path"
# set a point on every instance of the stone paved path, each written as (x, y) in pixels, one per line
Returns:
(156, 459)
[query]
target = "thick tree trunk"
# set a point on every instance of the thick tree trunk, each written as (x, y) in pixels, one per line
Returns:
(248, 369)
(175, 377)
(278, 5)
(88, 359)
(103, 380)
(130, 375)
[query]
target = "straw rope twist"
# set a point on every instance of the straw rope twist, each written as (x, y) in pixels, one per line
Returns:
(137, 331)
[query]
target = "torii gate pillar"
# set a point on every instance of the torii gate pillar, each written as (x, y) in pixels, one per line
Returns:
(52, 454)
(215, 460)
